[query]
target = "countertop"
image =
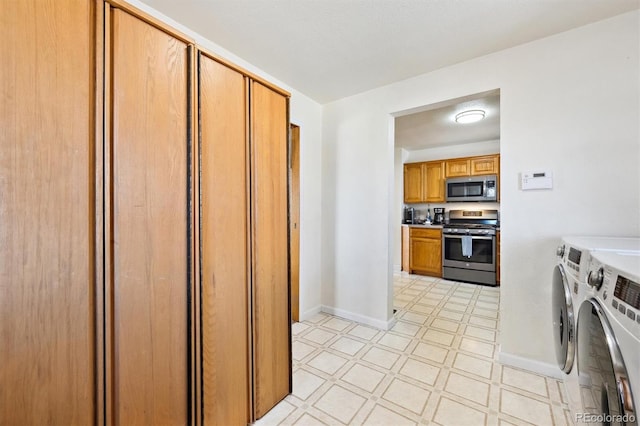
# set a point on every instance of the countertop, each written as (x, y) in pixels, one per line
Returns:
(429, 226)
(422, 226)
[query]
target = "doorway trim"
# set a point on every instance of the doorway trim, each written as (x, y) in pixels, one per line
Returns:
(294, 220)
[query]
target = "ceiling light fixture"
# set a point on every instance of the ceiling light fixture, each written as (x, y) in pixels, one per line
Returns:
(470, 116)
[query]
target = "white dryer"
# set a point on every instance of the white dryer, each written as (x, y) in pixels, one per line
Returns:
(569, 290)
(568, 286)
(608, 350)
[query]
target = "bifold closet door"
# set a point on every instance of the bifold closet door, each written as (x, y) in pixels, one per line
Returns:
(224, 243)
(149, 259)
(47, 221)
(269, 226)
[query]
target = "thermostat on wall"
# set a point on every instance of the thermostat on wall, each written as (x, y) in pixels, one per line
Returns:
(537, 180)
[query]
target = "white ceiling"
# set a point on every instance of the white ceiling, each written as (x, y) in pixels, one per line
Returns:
(329, 49)
(435, 125)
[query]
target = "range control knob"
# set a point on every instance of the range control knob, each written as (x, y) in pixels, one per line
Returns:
(560, 251)
(595, 278)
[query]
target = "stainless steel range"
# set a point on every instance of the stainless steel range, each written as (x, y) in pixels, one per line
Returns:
(469, 246)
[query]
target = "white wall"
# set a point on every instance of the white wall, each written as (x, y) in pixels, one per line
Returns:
(400, 157)
(569, 103)
(307, 114)
(454, 151)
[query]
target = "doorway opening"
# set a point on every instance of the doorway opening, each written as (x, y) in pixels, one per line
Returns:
(427, 140)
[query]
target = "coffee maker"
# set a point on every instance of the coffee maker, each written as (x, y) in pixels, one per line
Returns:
(409, 215)
(438, 216)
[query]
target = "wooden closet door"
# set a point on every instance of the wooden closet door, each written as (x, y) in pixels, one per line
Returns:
(150, 231)
(224, 239)
(47, 221)
(271, 316)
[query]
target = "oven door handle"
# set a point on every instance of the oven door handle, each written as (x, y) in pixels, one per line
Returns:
(475, 237)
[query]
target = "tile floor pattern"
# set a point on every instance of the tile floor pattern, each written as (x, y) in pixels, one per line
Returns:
(436, 366)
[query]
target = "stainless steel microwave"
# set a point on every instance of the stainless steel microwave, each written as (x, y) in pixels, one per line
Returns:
(472, 188)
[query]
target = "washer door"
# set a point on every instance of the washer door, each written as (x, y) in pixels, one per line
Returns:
(563, 319)
(604, 382)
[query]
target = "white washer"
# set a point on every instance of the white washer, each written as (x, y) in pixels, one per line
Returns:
(608, 349)
(569, 290)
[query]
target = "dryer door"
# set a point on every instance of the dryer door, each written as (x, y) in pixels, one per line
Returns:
(604, 382)
(563, 319)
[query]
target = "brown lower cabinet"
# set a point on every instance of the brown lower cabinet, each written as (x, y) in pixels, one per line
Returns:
(425, 251)
(143, 224)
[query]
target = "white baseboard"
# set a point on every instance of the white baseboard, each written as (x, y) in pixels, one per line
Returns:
(397, 269)
(534, 366)
(382, 325)
(309, 313)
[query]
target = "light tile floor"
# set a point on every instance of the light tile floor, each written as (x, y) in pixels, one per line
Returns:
(436, 366)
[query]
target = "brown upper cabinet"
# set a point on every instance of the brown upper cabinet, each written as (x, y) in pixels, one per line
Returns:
(434, 181)
(473, 166)
(486, 165)
(424, 182)
(457, 167)
(414, 183)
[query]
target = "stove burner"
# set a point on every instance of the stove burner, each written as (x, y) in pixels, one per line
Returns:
(463, 220)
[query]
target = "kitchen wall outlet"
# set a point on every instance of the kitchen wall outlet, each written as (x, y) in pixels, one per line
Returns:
(540, 179)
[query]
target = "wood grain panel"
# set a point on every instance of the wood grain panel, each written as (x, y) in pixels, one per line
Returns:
(47, 225)
(294, 220)
(271, 318)
(413, 183)
(405, 248)
(425, 232)
(486, 165)
(224, 242)
(149, 223)
(457, 167)
(434, 181)
(426, 256)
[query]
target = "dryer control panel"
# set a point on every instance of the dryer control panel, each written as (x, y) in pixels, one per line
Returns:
(575, 260)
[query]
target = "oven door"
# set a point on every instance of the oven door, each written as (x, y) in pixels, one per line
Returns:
(483, 249)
